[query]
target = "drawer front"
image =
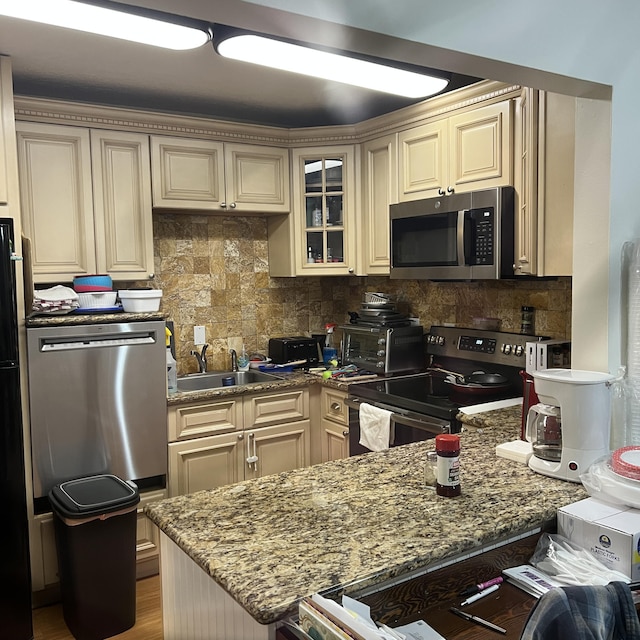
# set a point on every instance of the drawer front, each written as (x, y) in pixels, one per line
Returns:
(334, 407)
(276, 408)
(195, 421)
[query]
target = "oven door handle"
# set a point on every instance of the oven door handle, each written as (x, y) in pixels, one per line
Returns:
(434, 425)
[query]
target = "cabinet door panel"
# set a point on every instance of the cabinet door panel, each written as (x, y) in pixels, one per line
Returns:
(193, 421)
(204, 463)
(423, 160)
(279, 448)
(56, 197)
(380, 160)
(480, 143)
(122, 204)
(257, 178)
(187, 174)
(335, 441)
(276, 408)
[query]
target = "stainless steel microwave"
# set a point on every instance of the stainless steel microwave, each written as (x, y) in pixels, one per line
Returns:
(462, 236)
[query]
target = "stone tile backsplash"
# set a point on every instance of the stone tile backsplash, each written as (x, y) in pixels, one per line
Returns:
(214, 271)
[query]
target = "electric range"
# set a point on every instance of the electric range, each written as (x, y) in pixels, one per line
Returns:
(425, 404)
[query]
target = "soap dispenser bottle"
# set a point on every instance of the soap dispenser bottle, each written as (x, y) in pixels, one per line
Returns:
(172, 365)
(243, 360)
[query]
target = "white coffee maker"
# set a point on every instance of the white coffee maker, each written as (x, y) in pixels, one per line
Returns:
(570, 428)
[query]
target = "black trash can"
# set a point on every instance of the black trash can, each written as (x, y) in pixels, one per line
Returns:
(95, 525)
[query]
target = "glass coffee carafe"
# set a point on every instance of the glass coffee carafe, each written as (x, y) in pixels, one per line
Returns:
(544, 431)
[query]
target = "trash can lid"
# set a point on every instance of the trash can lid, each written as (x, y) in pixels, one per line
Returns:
(93, 495)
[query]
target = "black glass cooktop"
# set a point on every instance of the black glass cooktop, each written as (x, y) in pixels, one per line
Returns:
(424, 393)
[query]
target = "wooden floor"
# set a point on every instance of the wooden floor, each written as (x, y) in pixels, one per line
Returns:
(48, 623)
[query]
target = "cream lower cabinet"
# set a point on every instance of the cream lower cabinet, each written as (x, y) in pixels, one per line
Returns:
(464, 152)
(86, 202)
(222, 442)
(219, 177)
(334, 425)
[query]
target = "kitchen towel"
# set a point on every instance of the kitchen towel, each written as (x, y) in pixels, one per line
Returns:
(375, 427)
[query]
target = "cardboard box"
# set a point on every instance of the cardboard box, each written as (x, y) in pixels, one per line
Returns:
(611, 533)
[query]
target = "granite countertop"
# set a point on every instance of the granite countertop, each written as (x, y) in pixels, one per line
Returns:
(295, 379)
(357, 522)
(72, 319)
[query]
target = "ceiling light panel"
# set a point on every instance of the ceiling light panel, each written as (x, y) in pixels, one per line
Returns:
(329, 66)
(102, 20)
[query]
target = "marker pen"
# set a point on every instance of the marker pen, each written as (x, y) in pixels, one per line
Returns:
(469, 591)
(481, 594)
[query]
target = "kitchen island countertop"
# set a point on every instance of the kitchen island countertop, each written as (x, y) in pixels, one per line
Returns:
(357, 522)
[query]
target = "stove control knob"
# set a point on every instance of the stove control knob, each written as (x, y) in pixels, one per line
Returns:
(519, 350)
(381, 341)
(506, 349)
(440, 340)
(381, 353)
(380, 365)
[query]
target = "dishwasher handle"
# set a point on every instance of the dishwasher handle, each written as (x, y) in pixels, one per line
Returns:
(48, 345)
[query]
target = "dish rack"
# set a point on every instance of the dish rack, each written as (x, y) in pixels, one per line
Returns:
(377, 298)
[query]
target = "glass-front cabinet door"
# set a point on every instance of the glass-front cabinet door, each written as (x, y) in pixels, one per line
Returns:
(324, 209)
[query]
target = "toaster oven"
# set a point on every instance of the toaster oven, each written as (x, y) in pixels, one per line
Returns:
(384, 350)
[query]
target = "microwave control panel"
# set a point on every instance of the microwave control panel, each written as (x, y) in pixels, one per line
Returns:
(483, 236)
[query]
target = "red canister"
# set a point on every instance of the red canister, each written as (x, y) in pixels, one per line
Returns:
(448, 465)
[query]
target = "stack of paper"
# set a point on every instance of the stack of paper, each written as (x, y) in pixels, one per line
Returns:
(531, 580)
(324, 619)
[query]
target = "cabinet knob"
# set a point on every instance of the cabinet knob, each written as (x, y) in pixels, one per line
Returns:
(223, 205)
(335, 406)
(441, 191)
(350, 269)
(449, 189)
(233, 205)
(345, 433)
(152, 276)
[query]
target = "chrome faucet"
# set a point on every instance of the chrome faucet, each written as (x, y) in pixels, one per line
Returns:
(201, 358)
(234, 360)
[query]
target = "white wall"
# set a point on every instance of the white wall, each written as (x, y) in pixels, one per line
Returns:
(548, 45)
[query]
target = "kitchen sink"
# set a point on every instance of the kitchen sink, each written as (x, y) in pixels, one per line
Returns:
(214, 379)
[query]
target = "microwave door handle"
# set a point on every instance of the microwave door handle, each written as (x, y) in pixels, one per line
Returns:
(460, 236)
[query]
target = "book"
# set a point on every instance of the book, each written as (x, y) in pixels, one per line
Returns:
(530, 579)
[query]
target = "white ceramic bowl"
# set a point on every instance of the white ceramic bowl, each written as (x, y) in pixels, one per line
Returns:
(140, 300)
(97, 299)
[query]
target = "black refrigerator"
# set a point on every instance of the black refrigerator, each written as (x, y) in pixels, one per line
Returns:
(15, 574)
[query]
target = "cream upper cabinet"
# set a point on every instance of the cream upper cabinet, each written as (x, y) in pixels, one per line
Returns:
(6, 126)
(464, 152)
(544, 178)
(219, 177)
(86, 202)
(334, 425)
(380, 189)
(319, 236)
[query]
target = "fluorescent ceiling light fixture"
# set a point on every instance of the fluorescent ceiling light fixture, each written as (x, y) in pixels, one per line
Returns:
(112, 19)
(336, 67)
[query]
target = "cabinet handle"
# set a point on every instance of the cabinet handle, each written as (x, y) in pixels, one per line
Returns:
(335, 406)
(252, 458)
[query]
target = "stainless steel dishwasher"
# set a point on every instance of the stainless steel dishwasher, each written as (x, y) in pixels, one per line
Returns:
(97, 397)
